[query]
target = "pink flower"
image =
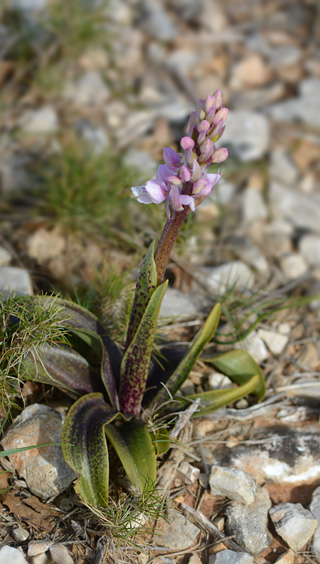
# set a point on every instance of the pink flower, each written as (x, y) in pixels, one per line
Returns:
(182, 181)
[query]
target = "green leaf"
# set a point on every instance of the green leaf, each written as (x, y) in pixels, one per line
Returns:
(240, 367)
(135, 363)
(145, 287)
(182, 371)
(63, 367)
(161, 440)
(215, 399)
(133, 445)
(95, 342)
(85, 448)
(86, 326)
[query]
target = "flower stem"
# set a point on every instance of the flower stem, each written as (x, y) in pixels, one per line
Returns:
(167, 240)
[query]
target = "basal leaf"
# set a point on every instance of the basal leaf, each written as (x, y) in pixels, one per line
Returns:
(85, 448)
(145, 286)
(95, 342)
(240, 367)
(132, 443)
(63, 367)
(135, 363)
(182, 371)
(215, 399)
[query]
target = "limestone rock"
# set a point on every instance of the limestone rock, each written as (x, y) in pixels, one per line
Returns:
(248, 523)
(44, 469)
(232, 483)
(231, 557)
(176, 532)
(14, 280)
(248, 135)
(293, 523)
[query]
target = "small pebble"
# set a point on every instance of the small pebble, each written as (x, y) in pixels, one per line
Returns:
(20, 534)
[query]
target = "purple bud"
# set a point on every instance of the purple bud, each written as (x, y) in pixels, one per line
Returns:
(220, 155)
(203, 126)
(218, 99)
(221, 115)
(187, 143)
(184, 174)
(210, 104)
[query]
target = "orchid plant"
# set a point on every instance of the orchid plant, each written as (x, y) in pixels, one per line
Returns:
(127, 399)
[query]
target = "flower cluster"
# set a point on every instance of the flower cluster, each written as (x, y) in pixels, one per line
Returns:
(182, 180)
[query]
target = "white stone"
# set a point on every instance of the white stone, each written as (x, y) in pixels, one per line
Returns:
(5, 257)
(176, 532)
(253, 206)
(224, 192)
(42, 121)
(293, 523)
(232, 483)
(44, 469)
(231, 275)
(60, 554)
(88, 90)
(248, 524)
(218, 381)
(10, 555)
(14, 280)
(189, 473)
(255, 347)
(274, 341)
(301, 210)
(177, 306)
(248, 133)
(230, 557)
(282, 167)
(309, 247)
(293, 266)
(38, 547)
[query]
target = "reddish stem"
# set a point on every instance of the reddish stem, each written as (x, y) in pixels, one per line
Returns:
(167, 241)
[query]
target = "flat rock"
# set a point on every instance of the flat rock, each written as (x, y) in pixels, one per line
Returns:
(177, 306)
(44, 469)
(294, 524)
(231, 557)
(88, 90)
(14, 280)
(248, 523)
(253, 206)
(248, 253)
(301, 210)
(282, 168)
(231, 275)
(42, 121)
(10, 555)
(5, 257)
(176, 532)
(274, 341)
(248, 135)
(255, 347)
(315, 510)
(232, 483)
(279, 455)
(309, 247)
(293, 265)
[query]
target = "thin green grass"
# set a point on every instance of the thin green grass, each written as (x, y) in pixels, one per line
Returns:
(25, 325)
(85, 193)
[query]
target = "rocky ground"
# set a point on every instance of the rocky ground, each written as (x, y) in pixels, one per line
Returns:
(244, 482)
